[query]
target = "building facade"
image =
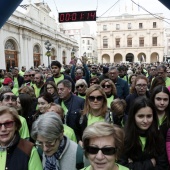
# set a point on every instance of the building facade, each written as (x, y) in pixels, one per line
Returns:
(23, 36)
(131, 38)
(81, 33)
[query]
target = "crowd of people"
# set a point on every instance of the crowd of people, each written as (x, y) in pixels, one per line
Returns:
(85, 116)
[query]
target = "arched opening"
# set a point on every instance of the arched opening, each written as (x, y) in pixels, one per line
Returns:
(105, 58)
(36, 55)
(142, 57)
(130, 57)
(117, 58)
(154, 57)
(11, 58)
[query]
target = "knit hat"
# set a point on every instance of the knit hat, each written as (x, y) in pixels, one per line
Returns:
(7, 81)
(105, 69)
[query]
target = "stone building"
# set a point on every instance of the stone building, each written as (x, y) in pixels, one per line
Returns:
(131, 38)
(23, 36)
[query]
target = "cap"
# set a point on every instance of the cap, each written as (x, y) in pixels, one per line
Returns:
(7, 81)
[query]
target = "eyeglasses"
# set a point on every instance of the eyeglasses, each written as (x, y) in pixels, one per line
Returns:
(46, 144)
(27, 75)
(141, 85)
(49, 88)
(106, 86)
(80, 86)
(32, 75)
(8, 97)
(8, 124)
(93, 68)
(98, 98)
(93, 82)
(105, 151)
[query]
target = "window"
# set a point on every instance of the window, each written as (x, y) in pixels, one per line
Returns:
(117, 27)
(104, 27)
(141, 42)
(88, 42)
(129, 26)
(154, 41)
(154, 24)
(83, 42)
(117, 42)
(105, 42)
(129, 42)
(140, 25)
(169, 40)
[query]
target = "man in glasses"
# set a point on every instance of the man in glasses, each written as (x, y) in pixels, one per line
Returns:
(78, 72)
(7, 98)
(70, 103)
(32, 74)
(18, 80)
(94, 71)
(27, 78)
(121, 85)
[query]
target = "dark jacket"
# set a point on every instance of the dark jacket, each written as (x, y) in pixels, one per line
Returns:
(122, 88)
(65, 77)
(74, 105)
(18, 155)
(131, 98)
(143, 162)
(20, 80)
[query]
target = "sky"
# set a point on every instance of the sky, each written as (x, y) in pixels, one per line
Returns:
(106, 8)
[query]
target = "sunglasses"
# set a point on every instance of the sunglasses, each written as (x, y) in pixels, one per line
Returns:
(27, 75)
(8, 124)
(105, 151)
(98, 98)
(32, 75)
(106, 86)
(8, 97)
(93, 68)
(80, 86)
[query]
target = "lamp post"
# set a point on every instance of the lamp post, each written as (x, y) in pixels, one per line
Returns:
(73, 52)
(48, 48)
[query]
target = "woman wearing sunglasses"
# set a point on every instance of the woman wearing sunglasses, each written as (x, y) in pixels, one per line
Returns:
(103, 143)
(144, 146)
(81, 87)
(15, 153)
(110, 90)
(95, 109)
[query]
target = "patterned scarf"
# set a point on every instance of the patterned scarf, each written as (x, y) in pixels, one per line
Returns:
(52, 162)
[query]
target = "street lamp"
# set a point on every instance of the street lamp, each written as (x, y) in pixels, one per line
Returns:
(48, 48)
(72, 53)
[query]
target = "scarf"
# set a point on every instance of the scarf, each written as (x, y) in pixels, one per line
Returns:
(52, 162)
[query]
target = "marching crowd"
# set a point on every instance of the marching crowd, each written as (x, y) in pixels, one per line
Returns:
(85, 116)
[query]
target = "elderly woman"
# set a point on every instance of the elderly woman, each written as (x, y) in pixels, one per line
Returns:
(103, 144)
(16, 153)
(59, 153)
(81, 87)
(110, 90)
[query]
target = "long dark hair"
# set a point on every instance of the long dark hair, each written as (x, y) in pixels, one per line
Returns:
(133, 147)
(165, 90)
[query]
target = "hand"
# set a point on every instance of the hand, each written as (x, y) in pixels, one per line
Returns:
(80, 143)
(130, 160)
(153, 161)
